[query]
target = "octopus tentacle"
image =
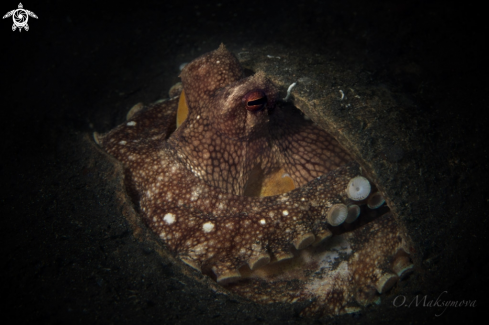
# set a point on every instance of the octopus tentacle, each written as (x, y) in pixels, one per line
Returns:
(365, 269)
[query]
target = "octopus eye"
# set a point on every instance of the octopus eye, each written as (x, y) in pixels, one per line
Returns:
(255, 100)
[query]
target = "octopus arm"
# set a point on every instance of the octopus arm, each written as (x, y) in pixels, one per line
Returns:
(212, 229)
(155, 122)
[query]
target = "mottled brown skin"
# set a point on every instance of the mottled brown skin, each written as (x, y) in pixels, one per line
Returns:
(190, 184)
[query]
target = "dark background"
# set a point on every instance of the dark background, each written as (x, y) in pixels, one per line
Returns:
(67, 253)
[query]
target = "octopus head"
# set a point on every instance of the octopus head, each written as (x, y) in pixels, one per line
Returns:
(235, 107)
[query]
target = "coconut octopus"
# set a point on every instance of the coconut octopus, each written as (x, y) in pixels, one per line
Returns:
(239, 185)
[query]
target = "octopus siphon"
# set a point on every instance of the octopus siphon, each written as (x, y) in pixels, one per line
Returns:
(239, 185)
